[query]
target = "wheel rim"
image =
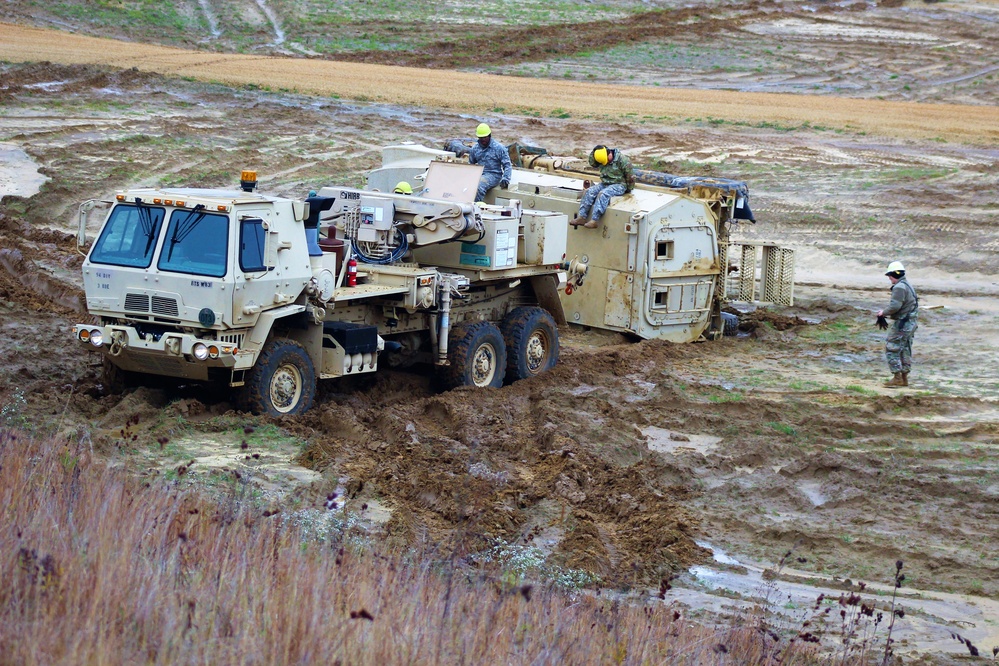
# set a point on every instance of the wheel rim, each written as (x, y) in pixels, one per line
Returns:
(536, 351)
(286, 388)
(484, 365)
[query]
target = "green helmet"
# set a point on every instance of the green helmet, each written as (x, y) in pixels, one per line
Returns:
(482, 130)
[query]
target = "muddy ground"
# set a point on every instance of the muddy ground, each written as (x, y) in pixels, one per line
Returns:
(634, 461)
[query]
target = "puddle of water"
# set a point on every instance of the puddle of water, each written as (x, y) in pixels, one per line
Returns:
(671, 441)
(718, 555)
(793, 27)
(272, 470)
(18, 172)
(930, 616)
(47, 86)
(812, 490)
(646, 389)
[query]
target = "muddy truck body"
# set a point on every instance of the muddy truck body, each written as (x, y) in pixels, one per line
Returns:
(661, 264)
(266, 295)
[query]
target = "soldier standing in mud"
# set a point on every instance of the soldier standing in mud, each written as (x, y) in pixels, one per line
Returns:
(616, 178)
(903, 308)
(494, 158)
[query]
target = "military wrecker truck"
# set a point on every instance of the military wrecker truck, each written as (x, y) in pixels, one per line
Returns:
(266, 295)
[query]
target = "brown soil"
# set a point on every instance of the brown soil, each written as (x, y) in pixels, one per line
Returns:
(628, 455)
(478, 92)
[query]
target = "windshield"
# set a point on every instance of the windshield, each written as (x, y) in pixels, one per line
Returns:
(129, 237)
(197, 242)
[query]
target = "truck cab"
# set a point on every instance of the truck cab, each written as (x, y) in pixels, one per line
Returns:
(179, 276)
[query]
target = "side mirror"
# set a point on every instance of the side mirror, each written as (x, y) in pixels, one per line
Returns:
(81, 233)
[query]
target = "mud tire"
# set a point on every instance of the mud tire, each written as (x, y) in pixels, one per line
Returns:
(532, 344)
(730, 324)
(282, 383)
(477, 357)
(115, 380)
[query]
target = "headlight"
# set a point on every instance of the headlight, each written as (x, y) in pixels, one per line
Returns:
(200, 351)
(96, 338)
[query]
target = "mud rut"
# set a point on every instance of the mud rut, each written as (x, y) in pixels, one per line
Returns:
(776, 438)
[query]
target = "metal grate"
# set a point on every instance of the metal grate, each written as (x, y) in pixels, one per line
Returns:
(766, 273)
(164, 306)
(777, 275)
(747, 274)
(233, 338)
(137, 302)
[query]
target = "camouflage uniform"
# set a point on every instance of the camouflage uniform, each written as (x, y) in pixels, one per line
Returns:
(616, 178)
(496, 166)
(903, 309)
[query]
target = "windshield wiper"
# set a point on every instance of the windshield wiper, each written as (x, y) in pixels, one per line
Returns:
(184, 229)
(146, 220)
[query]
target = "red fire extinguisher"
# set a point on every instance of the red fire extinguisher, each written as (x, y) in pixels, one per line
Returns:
(352, 272)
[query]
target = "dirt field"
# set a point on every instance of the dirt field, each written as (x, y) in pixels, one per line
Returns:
(632, 461)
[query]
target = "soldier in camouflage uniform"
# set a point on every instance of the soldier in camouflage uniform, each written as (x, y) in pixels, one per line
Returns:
(495, 160)
(616, 178)
(903, 308)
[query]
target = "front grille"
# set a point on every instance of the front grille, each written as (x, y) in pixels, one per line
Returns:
(232, 338)
(163, 306)
(136, 302)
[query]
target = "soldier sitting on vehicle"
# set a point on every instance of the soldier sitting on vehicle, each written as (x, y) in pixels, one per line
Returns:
(617, 177)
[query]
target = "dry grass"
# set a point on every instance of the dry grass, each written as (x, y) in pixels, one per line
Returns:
(101, 567)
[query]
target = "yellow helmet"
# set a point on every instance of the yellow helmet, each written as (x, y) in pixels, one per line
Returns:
(402, 187)
(600, 155)
(482, 130)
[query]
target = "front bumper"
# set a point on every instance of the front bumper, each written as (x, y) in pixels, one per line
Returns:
(170, 354)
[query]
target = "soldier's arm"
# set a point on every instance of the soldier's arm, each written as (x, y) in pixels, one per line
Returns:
(506, 164)
(629, 174)
(897, 299)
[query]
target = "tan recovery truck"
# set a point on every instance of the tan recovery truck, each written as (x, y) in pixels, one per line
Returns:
(266, 295)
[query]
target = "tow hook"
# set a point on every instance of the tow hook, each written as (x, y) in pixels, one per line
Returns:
(577, 273)
(117, 343)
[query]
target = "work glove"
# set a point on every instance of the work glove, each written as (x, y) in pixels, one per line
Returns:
(882, 323)
(504, 184)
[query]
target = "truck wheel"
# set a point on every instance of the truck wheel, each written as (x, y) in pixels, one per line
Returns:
(282, 382)
(730, 323)
(532, 346)
(115, 379)
(477, 356)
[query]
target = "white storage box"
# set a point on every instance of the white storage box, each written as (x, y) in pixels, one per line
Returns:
(544, 237)
(496, 250)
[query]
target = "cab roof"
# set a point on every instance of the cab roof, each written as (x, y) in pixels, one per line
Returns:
(194, 195)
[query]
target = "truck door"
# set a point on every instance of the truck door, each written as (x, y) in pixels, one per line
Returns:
(256, 270)
(682, 272)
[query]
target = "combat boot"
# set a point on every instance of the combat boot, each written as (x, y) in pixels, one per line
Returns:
(578, 220)
(905, 378)
(590, 224)
(896, 381)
